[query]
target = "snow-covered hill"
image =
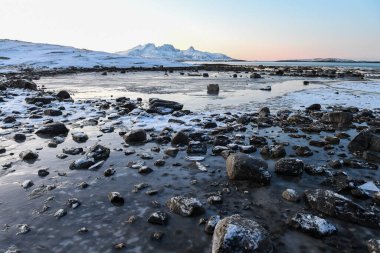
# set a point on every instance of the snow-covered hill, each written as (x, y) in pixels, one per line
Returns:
(15, 54)
(167, 51)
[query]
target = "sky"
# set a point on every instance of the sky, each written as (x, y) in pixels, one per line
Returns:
(242, 29)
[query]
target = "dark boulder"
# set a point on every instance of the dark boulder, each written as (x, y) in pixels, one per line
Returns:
(135, 136)
(289, 167)
(244, 167)
(213, 89)
(311, 224)
(185, 206)
(53, 129)
(338, 206)
(63, 95)
(340, 119)
(163, 107)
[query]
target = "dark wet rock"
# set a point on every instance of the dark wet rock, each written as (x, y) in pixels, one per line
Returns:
(221, 140)
(73, 203)
(366, 142)
(21, 84)
(159, 218)
(39, 101)
(63, 95)
(332, 140)
(299, 119)
(338, 118)
(42, 173)
(19, 137)
(171, 152)
(135, 136)
(338, 206)
(211, 224)
(28, 155)
(303, 151)
(273, 151)
(311, 224)
(244, 167)
(72, 151)
(373, 246)
(163, 106)
(79, 137)
(94, 158)
(180, 138)
(159, 163)
(255, 75)
(314, 107)
(145, 170)
(264, 112)
(109, 172)
(289, 167)
(185, 206)
(290, 195)
(196, 147)
(53, 129)
(258, 140)
(116, 198)
(53, 112)
(336, 164)
(213, 89)
(340, 181)
(27, 184)
(318, 143)
(237, 234)
(209, 125)
(9, 119)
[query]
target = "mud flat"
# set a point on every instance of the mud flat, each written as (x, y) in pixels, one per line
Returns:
(148, 173)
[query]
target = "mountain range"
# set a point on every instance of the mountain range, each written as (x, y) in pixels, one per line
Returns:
(167, 51)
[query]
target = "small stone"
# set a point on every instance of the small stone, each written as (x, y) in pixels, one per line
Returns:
(160, 218)
(116, 198)
(290, 195)
(73, 203)
(109, 172)
(211, 224)
(23, 229)
(145, 170)
(27, 184)
(60, 213)
(28, 155)
(157, 235)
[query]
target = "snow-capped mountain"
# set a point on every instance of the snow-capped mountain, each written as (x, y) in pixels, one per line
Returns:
(15, 54)
(169, 52)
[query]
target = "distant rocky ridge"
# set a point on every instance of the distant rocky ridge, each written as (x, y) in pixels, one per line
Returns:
(327, 60)
(169, 52)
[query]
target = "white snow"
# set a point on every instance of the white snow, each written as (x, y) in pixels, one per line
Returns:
(168, 51)
(37, 55)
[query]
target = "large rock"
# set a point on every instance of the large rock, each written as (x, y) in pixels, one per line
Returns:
(237, 234)
(53, 129)
(180, 138)
(161, 106)
(244, 167)
(38, 99)
(28, 155)
(338, 118)
(311, 224)
(185, 206)
(21, 84)
(367, 142)
(213, 89)
(338, 206)
(289, 167)
(63, 95)
(53, 112)
(135, 136)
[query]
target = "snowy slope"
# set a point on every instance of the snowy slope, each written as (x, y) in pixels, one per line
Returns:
(169, 52)
(25, 54)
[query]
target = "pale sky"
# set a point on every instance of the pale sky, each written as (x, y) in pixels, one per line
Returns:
(242, 29)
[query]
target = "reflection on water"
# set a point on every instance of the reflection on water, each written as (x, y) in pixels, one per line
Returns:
(191, 91)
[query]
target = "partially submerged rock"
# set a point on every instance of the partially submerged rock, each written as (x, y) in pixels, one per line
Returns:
(94, 158)
(311, 224)
(367, 142)
(338, 206)
(52, 129)
(135, 136)
(289, 167)
(163, 107)
(28, 155)
(340, 119)
(237, 234)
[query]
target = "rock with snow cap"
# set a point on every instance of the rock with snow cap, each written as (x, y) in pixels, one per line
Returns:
(185, 206)
(237, 234)
(338, 206)
(311, 224)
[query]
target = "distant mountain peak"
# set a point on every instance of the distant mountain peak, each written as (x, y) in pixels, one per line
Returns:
(169, 52)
